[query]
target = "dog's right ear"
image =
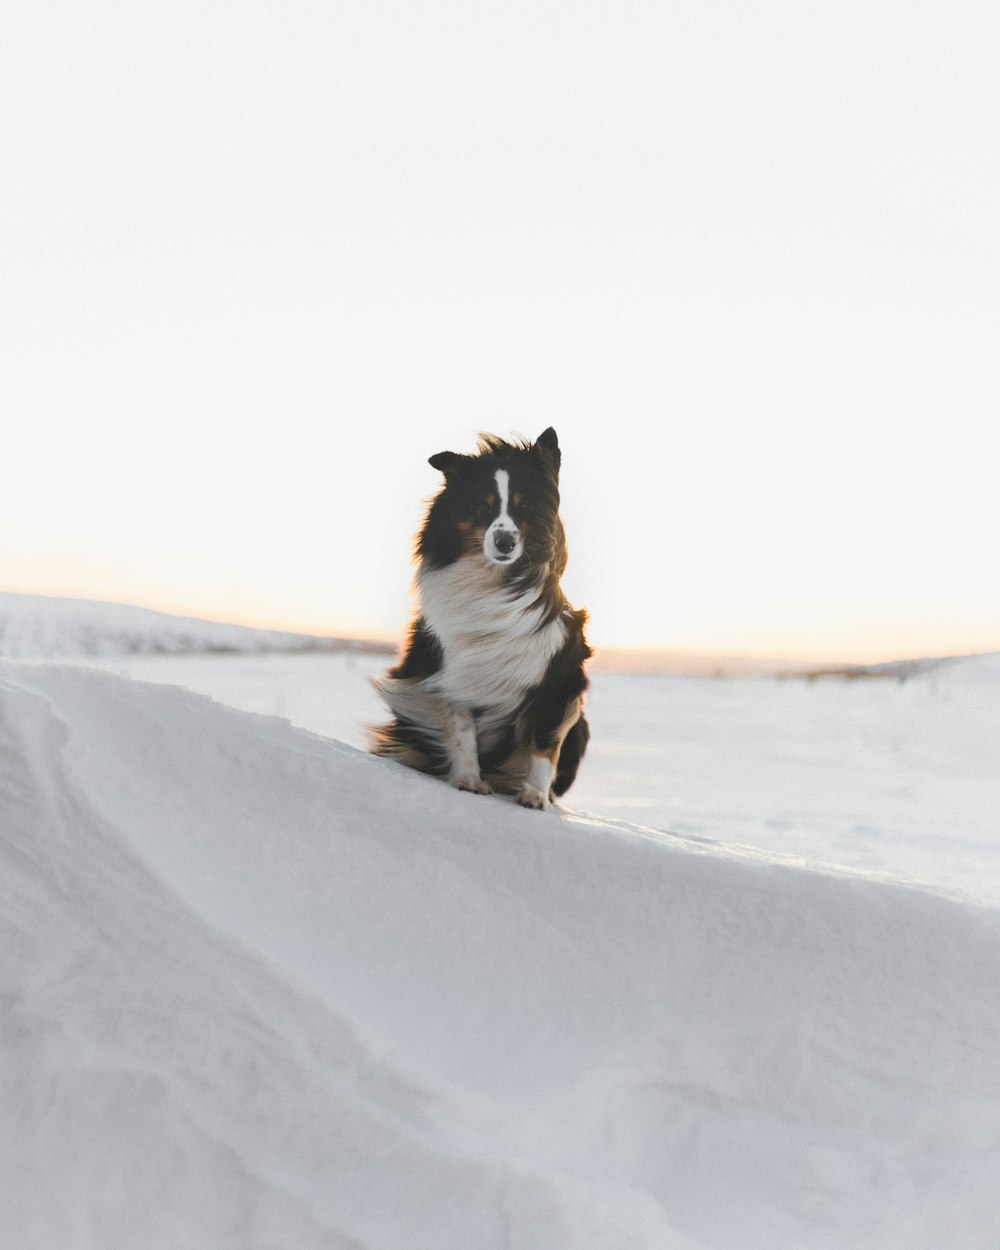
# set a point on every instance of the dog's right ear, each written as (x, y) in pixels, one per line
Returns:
(447, 462)
(548, 444)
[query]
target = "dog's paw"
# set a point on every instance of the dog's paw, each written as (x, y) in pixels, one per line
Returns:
(472, 785)
(529, 796)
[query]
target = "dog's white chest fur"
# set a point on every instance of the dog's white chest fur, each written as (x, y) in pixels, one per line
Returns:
(494, 646)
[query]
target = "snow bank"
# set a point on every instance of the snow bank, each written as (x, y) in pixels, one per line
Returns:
(38, 627)
(261, 990)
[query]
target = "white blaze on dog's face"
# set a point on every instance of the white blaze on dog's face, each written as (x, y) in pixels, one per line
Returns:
(502, 542)
(500, 508)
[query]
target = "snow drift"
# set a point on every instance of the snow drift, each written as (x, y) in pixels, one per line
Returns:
(262, 990)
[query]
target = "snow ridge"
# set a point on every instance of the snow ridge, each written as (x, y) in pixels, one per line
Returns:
(261, 989)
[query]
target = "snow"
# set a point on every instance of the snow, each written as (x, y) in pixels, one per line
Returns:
(889, 776)
(40, 627)
(260, 989)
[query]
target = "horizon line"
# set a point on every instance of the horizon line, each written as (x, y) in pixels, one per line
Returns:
(611, 657)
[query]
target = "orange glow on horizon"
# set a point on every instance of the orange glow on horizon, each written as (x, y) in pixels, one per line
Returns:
(735, 650)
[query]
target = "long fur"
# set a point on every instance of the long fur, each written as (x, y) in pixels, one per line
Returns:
(489, 689)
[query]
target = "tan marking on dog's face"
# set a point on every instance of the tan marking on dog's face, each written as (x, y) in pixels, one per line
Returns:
(473, 535)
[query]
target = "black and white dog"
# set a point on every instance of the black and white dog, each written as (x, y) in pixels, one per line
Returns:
(489, 690)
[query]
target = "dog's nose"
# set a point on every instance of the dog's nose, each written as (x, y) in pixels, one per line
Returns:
(504, 541)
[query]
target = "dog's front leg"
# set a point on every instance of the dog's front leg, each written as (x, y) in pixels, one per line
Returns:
(458, 730)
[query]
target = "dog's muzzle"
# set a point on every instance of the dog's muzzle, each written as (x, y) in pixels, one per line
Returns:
(502, 546)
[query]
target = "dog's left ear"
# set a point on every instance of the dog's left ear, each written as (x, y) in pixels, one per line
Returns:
(447, 462)
(548, 444)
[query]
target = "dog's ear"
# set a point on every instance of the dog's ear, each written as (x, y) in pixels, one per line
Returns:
(447, 462)
(548, 444)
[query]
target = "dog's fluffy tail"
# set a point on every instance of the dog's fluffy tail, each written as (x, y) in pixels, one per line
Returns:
(573, 747)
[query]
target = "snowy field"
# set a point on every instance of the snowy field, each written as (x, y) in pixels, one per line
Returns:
(261, 990)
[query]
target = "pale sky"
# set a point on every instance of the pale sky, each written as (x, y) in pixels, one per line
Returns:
(259, 261)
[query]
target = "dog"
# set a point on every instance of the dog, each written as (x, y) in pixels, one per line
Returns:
(490, 686)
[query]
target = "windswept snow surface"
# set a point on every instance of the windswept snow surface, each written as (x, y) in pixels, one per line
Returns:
(262, 990)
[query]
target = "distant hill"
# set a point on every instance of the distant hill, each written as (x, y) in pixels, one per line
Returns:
(37, 627)
(709, 664)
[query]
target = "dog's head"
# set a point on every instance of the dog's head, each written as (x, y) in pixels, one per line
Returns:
(502, 504)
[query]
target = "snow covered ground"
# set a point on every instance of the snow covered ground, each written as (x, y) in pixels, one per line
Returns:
(259, 989)
(883, 776)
